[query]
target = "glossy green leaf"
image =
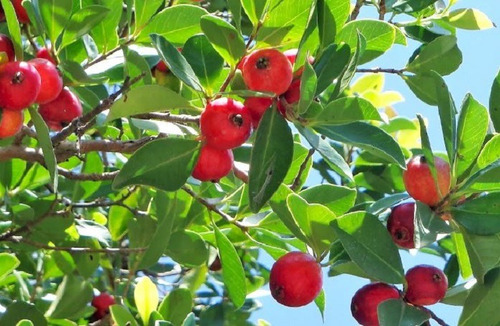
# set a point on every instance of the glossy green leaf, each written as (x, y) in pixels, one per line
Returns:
(176, 62)
(428, 225)
(338, 199)
(370, 246)
(55, 15)
(472, 127)
(72, 296)
(92, 164)
(105, 33)
(345, 110)
(14, 29)
(145, 99)
(177, 24)
(462, 255)
(144, 10)
(409, 6)
(163, 163)
(81, 22)
(87, 263)
(368, 137)
(272, 154)
(187, 248)
(397, 312)
(320, 302)
(226, 40)
(176, 306)
(441, 55)
(490, 153)
(426, 149)
(423, 87)
(8, 262)
(233, 273)
(329, 154)
(190, 320)
(25, 322)
(494, 102)
(146, 298)
(379, 36)
(20, 310)
(421, 33)
(119, 217)
(121, 316)
(46, 145)
(482, 252)
(308, 83)
(136, 65)
(480, 215)
(481, 306)
(74, 74)
(486, 179)
(469, 18)
(330, 65)
(457, 295)
(332, 15)
(207, 64)
(254, 9)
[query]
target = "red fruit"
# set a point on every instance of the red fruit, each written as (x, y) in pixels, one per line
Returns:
(216, 265)
(21, 13)
(426, 285)
(257, 107)
(101, 303)
(267, 70)
(292, 95)
(51, 80)
(162, 66)
(365, 302)
(401, 225)
(19, 85)
(7, 47)
(419, 183)
(213, 164)
(242, 62)
(295, 279)
(61, 111)
(10, 122)
(44, 53)
(225, 123)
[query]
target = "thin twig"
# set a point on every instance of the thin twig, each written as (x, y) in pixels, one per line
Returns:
(381, 9)
(179, 118)
(240, 174)
(104, 56)
(83, 250)
(380, 70)
(302, 168)
(87, 176)
(357, 7)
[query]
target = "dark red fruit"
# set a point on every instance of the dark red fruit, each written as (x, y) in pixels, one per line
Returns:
(101, 303)
(419, 183)
(426, 285)
(292, 95)
(7, 47)
(267, 70)
(51, 80)
(216, 265)
(61, 111)
(44, 53)
(213, 164)
(162, 66)
(21, 13)
(225, 123)
(401, 225)
(257, 107)
(19, 85)
(295, 279)
(365, 302)
(10, 122)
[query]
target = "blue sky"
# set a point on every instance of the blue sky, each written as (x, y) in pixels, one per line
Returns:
(481, 62)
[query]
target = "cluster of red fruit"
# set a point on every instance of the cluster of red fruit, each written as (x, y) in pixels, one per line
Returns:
(23, 84)
(425, 285)
(101, 303)
(226, 123)
(22, 15)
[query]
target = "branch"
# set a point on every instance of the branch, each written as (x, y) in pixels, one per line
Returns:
(240, 174)
(105, 55)
(381, 10)
(379, 70)
(87, 176)
(180, 118)
(357, 7)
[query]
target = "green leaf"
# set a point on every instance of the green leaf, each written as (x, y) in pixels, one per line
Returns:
(489, 154)
(176, 62)
(423, 86)
(308, 83)
(254, 9)
(469, 18)
(55, 15)
(320, 302)
(14, 29)
(482, 252)
(25, 322)
(338, 199)
(176, 306)
(370, 246)
(146, 298)
(46, 145)
(486, 179)
(480, 215)
(472, 127)
(494, 102)
(345, 110)
(72, 296)
(379, 36)
(190, 320)
(330, 65)
(329, 154)
(19, 310)
(136, 65)
(121, 316)
(8, 262)
(332, 15)
(409, 6)
(105, 33)
(144, 10)
(272, 154)
(187, 248)
(464, 261)
(163, 163)
(428, 225)
(427, 150)
(84, 189)
(396, 312)
(233, 273)
(441, 55)
(75, 75)
(145, 99)
(313, 220)
(81, 22)
(177, 24)
(481, 306)
(207, 64)
(367, 137)
(224, 37)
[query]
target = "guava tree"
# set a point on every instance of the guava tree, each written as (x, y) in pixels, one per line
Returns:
(183, 146)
